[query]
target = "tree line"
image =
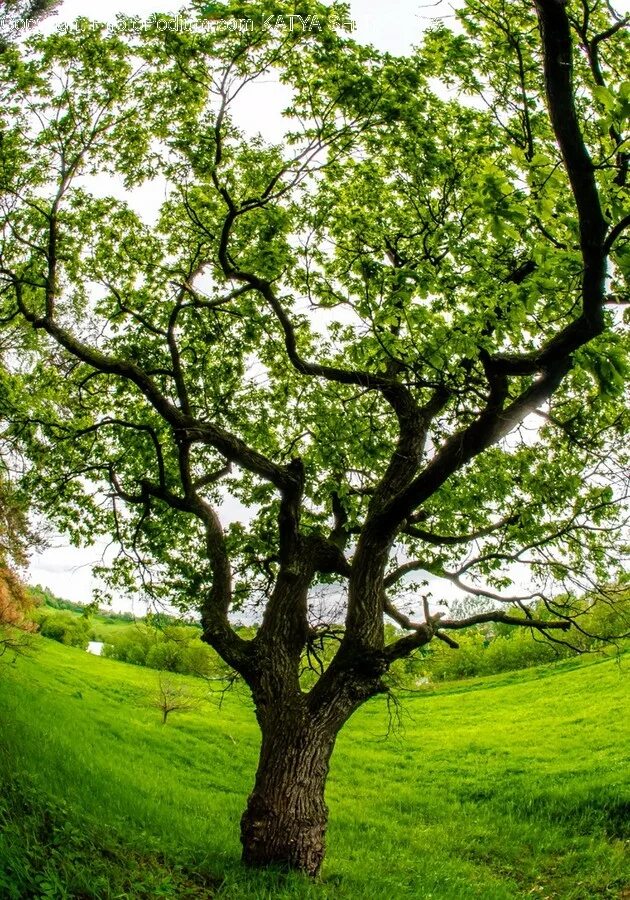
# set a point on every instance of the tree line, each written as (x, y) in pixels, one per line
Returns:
(163, 643)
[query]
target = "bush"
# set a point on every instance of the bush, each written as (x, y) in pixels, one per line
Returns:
(64, 628)
(130, 645)
(492, 648)
(173, 648)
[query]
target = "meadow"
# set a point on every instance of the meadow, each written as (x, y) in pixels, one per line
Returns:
(514, 785)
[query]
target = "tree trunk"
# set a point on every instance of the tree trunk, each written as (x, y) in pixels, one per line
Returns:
(286, 816)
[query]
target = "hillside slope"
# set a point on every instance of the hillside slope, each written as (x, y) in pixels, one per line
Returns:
(512, 786)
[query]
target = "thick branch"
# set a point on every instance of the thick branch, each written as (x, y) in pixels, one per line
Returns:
(505, 619)
(615, 232)
(558, 67)
(423, 632)
(212, 477)
(448, 540)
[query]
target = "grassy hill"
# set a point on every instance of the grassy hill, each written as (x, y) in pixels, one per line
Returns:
(511, 786)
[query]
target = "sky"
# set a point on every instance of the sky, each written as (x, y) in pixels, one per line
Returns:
(393, 27)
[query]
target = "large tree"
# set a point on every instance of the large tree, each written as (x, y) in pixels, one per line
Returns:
(387, 336)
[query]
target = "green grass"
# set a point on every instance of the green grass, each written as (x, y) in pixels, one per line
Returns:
(503, 787)
(104, 630)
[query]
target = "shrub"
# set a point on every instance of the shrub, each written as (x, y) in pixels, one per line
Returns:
(64, 627)
(173, 648)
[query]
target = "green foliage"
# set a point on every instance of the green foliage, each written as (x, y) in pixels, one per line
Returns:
(42, 596)
(158, 641)
(427, 233)
(115, 618)
(604, 622)
(63, 627)
(171, 648)
(483, 655)
(489, 649)
(501, 788)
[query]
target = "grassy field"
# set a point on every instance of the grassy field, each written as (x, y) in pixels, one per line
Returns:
(511, 786)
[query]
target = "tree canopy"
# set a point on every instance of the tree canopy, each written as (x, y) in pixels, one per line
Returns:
(395, 337)
(18, 16)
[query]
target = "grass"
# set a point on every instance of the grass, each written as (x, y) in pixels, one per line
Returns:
(502, 787)
(103, 629)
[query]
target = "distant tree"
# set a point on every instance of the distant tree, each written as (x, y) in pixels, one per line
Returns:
(173, 696)
(63, 627)
(396, 337)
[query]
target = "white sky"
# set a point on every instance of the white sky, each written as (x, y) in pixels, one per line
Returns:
(394, 27)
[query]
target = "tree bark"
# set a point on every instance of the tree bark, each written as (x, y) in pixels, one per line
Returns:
(285, 820)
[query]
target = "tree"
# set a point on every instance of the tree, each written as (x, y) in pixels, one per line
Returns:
(19, 15)
(14, 608)
(15, 603)
(172, 696)
(395, 337)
